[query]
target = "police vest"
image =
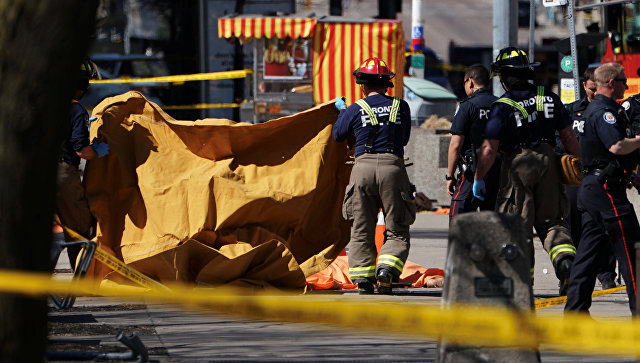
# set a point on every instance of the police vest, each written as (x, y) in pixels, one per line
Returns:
(374, 125)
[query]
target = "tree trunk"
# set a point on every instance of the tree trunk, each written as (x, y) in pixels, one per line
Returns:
(42, 43)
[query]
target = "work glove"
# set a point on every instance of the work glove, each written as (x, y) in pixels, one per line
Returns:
(91, 119)
(479, 190)
(101, 148)
(340, 104)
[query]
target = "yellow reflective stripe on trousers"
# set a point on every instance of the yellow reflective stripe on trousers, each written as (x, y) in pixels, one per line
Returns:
(395, 106)
(532, 270)
(561, 248)
(368, 110)
(513, 104)
(392, 261)
(367, 271)
(540, 99)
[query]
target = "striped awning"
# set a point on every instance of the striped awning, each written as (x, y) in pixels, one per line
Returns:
(265, 27)
(339, 48)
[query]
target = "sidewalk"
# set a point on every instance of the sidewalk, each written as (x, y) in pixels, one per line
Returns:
(175, 334)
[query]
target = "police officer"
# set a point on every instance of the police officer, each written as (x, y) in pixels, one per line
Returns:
(522, 125)
(466, 137)
(608, 218)
(381, 125)
(632, 107)
(577, 110)
(71, 205)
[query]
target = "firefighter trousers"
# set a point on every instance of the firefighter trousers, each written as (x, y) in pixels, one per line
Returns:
(530, 186)
(609, 222)
(378, 181)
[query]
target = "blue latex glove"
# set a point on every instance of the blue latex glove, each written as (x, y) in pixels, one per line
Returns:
(91, 119)
(340, 104)
(479, 190)
(101, 148)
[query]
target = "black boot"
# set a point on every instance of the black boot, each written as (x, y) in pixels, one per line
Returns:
(365, 288)
(384, 281)
(563, 271)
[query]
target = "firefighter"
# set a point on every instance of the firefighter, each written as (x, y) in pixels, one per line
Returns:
(71, 205)
(576, 111)
(381, 126)
(522, 126)
(608, 218)
(466, 137)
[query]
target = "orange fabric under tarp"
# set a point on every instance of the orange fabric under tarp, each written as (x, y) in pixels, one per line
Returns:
(336, 276)
(214, 201)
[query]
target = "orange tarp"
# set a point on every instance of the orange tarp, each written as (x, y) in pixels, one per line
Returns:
(336, 276)
(218, 202)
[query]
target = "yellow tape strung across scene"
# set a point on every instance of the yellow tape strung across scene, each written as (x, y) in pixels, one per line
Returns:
(115, 264)
(202, 106)
(553, 301)
(180, 78)
(480, 325)
(126, 271)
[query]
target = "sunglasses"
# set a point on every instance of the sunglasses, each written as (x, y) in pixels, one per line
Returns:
(623, 80)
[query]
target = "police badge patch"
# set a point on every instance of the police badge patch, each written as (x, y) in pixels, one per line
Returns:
(609, 118)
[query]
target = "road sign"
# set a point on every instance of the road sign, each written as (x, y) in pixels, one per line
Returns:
(549, 3)
(566, 64)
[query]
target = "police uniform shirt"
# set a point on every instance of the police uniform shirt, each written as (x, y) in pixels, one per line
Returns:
(605, 125)
(356, 119)
(632, 107)
(507, 124)
(576, 110)
(77, 134)
(472, 116)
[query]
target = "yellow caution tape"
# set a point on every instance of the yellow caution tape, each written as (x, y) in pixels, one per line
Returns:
(553, 301)
(465, 325)
(202, 106)
(127, 271)
(180, 78)
(115, 264)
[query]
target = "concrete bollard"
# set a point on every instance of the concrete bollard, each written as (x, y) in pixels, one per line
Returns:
(487, 264)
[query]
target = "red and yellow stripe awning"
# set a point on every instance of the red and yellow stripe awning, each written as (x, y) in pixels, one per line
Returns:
(338, 48)
(265, 27)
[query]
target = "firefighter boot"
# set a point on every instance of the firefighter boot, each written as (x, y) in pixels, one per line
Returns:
(365, 288)
(563, 271)
(384, 281)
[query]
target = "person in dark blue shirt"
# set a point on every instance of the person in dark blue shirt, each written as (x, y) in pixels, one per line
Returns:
(632, 107)
(577, 112)
(610, 155)
(522, 125)
(466, 138)
(379, 180)
(71, 205)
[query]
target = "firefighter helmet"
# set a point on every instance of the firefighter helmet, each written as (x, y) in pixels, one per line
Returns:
(88, 69)
(374, 70)
(514, 61)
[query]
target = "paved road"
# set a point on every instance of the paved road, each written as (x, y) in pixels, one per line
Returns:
(173, 334)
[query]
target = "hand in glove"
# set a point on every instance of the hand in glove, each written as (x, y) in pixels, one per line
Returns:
(91, 119)
(101, 148)
(479, 190)
(340, 104)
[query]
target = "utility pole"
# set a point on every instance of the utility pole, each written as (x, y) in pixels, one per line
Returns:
(417, 39)
(505, 32)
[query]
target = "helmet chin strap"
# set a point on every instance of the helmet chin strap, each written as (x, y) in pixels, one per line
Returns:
(504, 84)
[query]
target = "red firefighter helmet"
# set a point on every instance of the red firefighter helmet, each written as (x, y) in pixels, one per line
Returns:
(373, 70)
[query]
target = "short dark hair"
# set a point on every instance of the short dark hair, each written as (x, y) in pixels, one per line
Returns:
(478, 73)
(589, 74)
